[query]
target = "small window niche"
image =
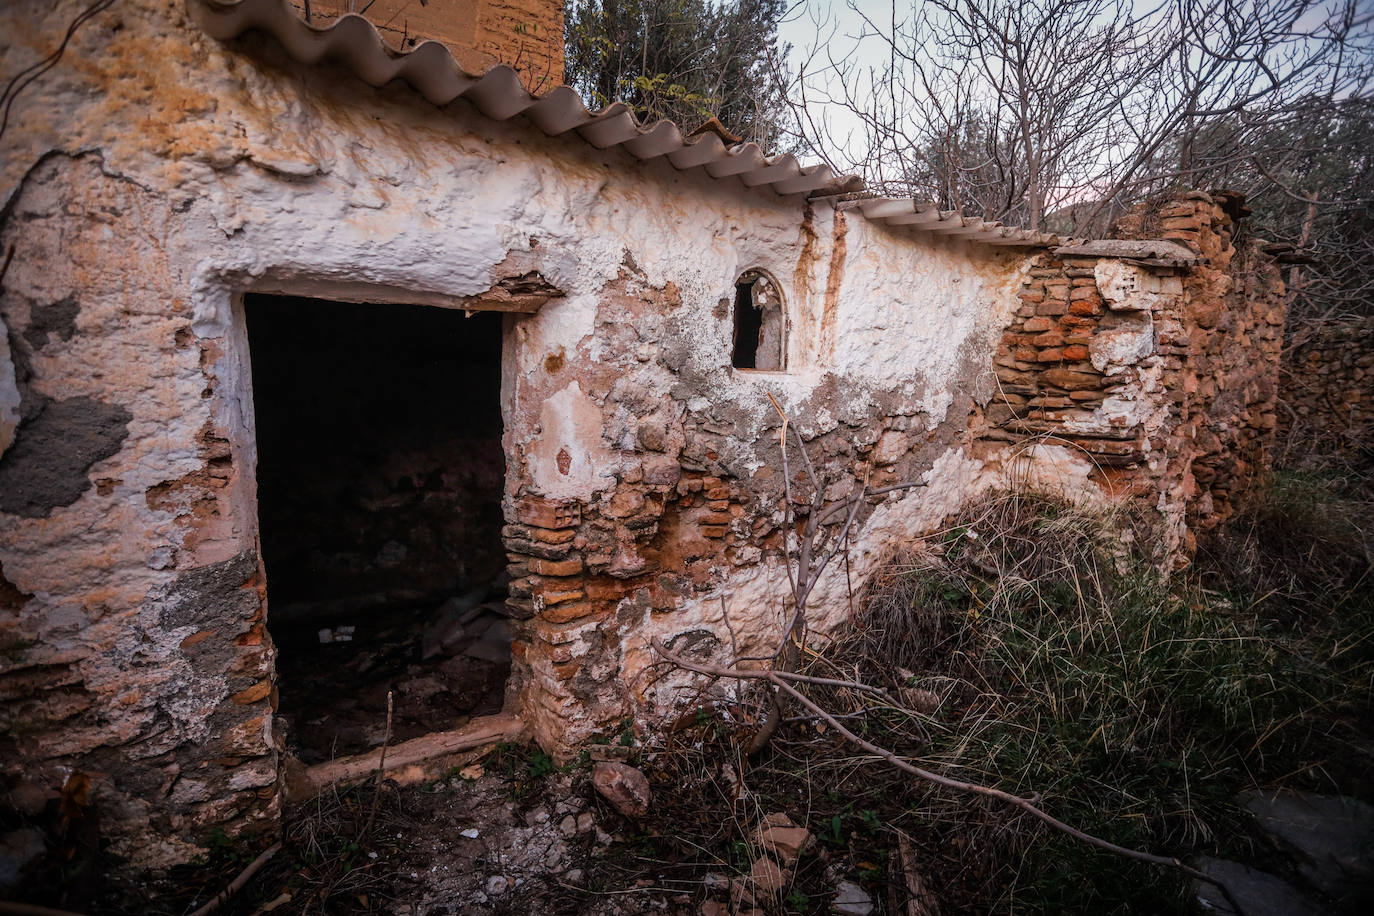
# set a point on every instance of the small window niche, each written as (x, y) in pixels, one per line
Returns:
(760, 324)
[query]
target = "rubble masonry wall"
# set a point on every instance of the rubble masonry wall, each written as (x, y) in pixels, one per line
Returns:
(1328, 391)
(157, 176)
(1161, 382)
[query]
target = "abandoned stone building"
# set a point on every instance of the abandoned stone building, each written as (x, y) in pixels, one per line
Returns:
(323, 364)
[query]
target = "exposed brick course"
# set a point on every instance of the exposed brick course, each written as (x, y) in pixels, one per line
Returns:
(1169, 376)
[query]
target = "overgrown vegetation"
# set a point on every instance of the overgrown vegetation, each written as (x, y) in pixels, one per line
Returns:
(1031, 646)
(1032, 649)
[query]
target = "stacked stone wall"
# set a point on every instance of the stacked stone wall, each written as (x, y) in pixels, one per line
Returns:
(1327, 392)
(1161, 373)
(643, 479)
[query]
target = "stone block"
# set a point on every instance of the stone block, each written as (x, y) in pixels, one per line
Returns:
(1071, 379)
(566, 613)
(567, 567)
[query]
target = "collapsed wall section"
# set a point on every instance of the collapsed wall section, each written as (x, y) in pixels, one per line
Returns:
(1157, 363)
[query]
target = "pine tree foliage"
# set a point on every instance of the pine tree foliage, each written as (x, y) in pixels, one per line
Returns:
(685, 60)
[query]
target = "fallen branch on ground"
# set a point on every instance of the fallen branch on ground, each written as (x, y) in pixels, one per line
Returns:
(237, 884)
(783, 681)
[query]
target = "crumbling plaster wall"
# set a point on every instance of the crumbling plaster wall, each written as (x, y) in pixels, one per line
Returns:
(156, 175)
(648, 486)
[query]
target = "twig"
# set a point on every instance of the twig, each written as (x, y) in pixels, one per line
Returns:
(381, 768)
(920, 901)
(5, 268)
(761, 674)
(237, 884)
(30, 909)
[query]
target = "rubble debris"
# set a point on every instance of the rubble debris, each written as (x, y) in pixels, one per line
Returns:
(778, 836)
(442, 675)
(626, 788)
(851, 900)
(767, 876)
(337, 634)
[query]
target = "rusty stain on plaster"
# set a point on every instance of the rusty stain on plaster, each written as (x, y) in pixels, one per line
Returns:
(834, 278)
(806, 257)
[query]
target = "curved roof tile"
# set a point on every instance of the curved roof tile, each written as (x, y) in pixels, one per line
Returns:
(924, 216)
(498, 93)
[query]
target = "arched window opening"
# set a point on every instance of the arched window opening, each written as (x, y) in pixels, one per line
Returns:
(760, 332)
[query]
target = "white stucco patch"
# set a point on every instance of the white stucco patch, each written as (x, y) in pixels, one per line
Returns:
(568, 457)
(1112, 349)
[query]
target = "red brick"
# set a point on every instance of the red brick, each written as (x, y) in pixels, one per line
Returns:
(257, 692)
(547, 513)
(551, 597)
(569, 567)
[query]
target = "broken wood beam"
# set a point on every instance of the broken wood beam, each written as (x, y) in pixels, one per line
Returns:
(408, 759)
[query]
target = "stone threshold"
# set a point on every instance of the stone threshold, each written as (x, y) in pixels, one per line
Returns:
(418, 760)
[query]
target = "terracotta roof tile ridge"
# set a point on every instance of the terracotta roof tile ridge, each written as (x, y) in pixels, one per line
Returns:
(498, 93)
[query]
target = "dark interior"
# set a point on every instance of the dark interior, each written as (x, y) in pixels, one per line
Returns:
(380, 475)
(748, 325)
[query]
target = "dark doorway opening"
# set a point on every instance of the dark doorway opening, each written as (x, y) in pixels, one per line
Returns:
(380, 475)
